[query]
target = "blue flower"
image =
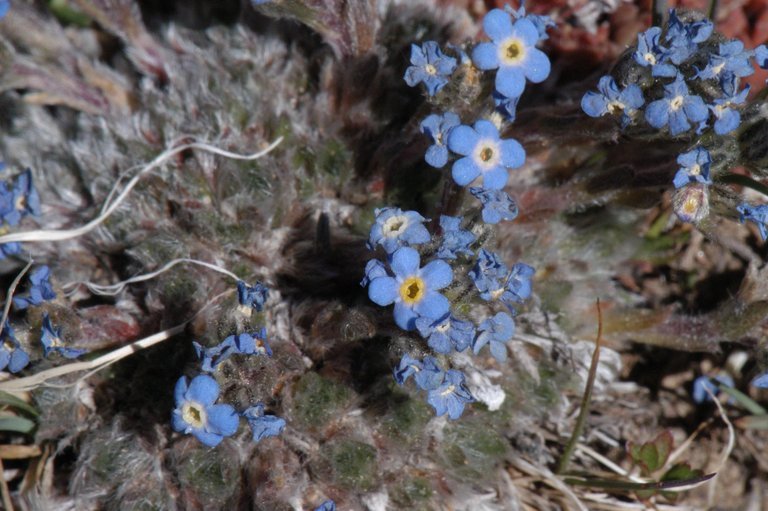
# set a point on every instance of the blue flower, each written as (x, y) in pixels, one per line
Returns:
(540, 22)
(677, 108)
(495, 332)
(761, 56)
(373, 269)
(518, 283)
(733, 60)
(51, 339)
(694, 168)
(512, 51)
(497, 205)
(212, 357)
(451, 396)
(40, 291)
(328, 505)
(394, 228)
(252, 344)
(756, 214)
(650, 53)
(263, 426)
(613, 101)
(407, 367)
(252, 296)
(760, 381)
(24, 199)
(430, 376)
(728, 119)
(9, 249)
(446, 333)
(413, 290)
(484, 153)
(506, 106)
(684, 37)
(455, 240)
(705, 382)
(430, 66)
(11, 354)
(488, 274)
(5, 6)
(437, 128)
(195, 412)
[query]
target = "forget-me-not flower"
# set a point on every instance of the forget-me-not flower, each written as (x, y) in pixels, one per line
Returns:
(506, 106)
(684, 38)
(252, 344)
(437, 128)
(328, 505)
(757, 214)
(611, 100)
(732, 60)
(373, 269)
(413, 290)
(760, 381)
(12, 356)
(485, 153)
(495, 332)
(455, 239)
(24, 199)
(51, 340)
(701, 383)
(215, 355)
(446, 333)
(728, 119)
(451, 396)
(430, 376)
(678, 108)
(252, 296)
(517, 287)
(197, 414)
(407, 367)
(694, 168)
(394, 228)
(650, 53)
(512, 51)
(488, 274)
(497, 205)
(429, 65)
(39, 291)
(263, 426)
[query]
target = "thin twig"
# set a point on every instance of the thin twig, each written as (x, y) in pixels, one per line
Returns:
(11, 290)
(65, 234)
(728, 446)
(582, 419)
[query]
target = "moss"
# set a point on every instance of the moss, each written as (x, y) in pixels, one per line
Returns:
(406, 418)
(319, 399)
(473, 448)
(413, 493)
(353, 464)
(211, 474)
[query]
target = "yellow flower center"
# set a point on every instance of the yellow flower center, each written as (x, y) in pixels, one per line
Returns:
(486, 154)
(676, 103)
(512, 51)
(412, 290)
(193, 414)
(691, 205)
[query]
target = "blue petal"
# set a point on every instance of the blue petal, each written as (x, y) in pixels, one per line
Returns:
(695, 109)
(499, 351)
(455, 407)
(437, 402)
(512, 153)
(729, 120)
(177, 423)
(537, 65)
(433, 305)
(657, 113)
(594, 104)
(203, 389)
(437, 156)
(383, 291)
(405, 262)
(463, 140)
(418, 57)
(481, 340)
(496, 178)
(437, 274)
(405, 317)
(527, 32)
(180, 390)
(761, 380)
(486, 56)
(222, 419)
(510, 81)
(414, 75)
(678, 123)
(486, 130)
(5, 357)
(498, 25)
(464, 171)
(209, 439)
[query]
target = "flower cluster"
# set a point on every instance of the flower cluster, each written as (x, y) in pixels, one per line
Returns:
(18, 198)
(428, 277)
(692, 81)
(195, 411)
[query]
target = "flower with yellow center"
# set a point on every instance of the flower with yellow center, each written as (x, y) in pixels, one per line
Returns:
(412, 289)
(196, 413)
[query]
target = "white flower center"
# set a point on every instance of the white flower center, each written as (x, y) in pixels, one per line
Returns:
(449, 390)
(487, 154)
(430, 69)
(650, 58)
(444, 326)
(695, 170)
(676, 102)
(511, 51)
(615, 107)
(394, 226)
(718, 68)
(193, 414)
